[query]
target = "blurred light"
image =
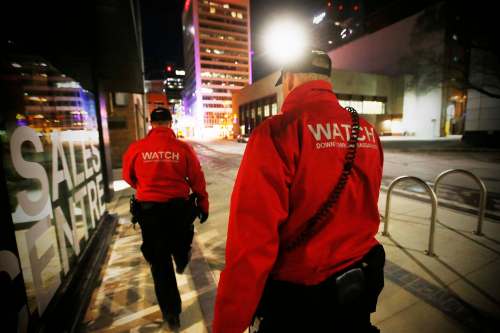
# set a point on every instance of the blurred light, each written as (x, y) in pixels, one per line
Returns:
(337, 23)
(16, 65)
(319, 18)
(285, 41)
(186, 5)
(70, 84)
(340, 7)
(330, 42)
(355, 7)
(343, 33)
(191, 30)
(207, 90)
(43, 64)
(455, 37)
(180, 72)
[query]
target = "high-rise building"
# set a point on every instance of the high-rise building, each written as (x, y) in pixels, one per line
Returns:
(217, 57)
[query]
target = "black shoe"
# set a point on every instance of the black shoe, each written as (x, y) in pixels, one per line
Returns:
(181, 268)
(173, 322)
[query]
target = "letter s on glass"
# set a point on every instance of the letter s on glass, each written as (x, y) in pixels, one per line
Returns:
(29, 170)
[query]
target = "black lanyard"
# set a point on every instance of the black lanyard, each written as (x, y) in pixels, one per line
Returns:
(314, 224)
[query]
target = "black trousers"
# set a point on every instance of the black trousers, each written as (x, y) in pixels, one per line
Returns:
(167, 232)
(289, 307)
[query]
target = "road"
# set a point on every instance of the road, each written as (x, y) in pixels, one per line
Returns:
(224, 157)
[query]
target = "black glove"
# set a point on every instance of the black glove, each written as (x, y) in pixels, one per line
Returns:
(203, 216)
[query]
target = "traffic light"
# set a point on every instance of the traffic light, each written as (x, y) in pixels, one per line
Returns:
(169, 68)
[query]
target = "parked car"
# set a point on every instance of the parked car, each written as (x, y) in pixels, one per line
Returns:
(242, 138)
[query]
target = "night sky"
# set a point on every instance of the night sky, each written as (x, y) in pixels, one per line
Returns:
(162, 30)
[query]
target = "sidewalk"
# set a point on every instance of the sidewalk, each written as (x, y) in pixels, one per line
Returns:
(456, 291)
(125, 300)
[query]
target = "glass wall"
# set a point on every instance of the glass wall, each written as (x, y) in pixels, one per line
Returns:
(364, 104)
(52, 166)
(253, 113)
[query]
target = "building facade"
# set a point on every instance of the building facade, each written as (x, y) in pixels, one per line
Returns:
(60, 79)
(377, 98)
(217, 55)
(399, 78)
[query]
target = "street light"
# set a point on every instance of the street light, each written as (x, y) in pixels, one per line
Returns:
(285, 41)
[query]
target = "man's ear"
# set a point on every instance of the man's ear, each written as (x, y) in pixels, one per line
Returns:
(290, 81)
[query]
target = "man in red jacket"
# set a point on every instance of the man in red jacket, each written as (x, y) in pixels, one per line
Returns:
(163, 170)
(330, 279)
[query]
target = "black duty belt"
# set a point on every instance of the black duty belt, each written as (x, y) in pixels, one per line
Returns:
(149, 205)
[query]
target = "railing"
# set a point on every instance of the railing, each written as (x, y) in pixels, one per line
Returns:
(482, 197)
(430, 249)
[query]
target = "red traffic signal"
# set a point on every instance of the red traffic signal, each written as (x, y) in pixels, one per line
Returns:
(168, 68)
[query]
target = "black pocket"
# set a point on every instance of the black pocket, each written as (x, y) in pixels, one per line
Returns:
(351, 287)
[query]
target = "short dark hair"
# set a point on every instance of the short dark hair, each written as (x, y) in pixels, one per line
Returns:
(161, 114)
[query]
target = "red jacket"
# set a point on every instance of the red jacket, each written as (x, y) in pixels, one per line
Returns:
(291, 163)
(161, 167)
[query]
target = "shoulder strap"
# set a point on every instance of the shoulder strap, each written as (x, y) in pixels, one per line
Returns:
(316, 222)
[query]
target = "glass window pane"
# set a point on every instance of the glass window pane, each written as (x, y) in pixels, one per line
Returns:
(373, 107)
(274, 109)
(266, 110)
(56, 201)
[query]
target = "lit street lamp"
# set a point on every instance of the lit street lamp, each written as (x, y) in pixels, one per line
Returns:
(286, 41)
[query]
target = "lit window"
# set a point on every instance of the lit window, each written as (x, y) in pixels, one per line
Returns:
(266, 110)
(233, 14)
(373, 107)
(212, 10)
(240, 16)
(274, 109)
(226, 6)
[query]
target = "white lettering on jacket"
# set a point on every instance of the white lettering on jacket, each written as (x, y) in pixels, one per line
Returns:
(160, 156)
(328, 135)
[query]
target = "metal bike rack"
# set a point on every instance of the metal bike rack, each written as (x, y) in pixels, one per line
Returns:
(430, 191)
(482, 196)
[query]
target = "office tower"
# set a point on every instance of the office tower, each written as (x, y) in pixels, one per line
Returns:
(217, 59)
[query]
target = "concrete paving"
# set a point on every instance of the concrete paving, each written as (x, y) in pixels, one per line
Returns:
(455, 291)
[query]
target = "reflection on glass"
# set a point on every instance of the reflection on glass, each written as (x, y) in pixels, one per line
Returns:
(53, 172)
